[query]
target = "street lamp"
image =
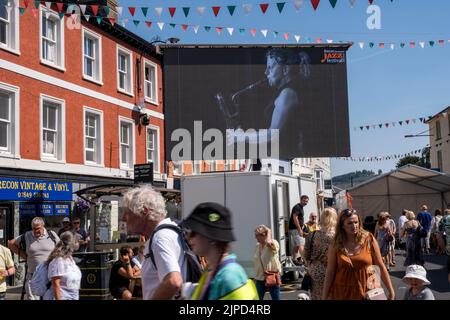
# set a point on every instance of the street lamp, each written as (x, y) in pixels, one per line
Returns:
(418, 135)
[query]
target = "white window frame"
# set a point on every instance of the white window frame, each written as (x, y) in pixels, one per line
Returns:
(98, 72)
(99, 139)
(132, 152)
(13, 150)
(61, 137)
(12, 33)
(156, 164)
(59, 28)
(122, 50)
(155, 99)
(438, 130)
(196, 163)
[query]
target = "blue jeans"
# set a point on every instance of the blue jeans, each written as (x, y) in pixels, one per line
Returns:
(261, 288)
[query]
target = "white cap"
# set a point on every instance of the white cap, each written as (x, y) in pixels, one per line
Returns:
(415, 271)
(66, 219)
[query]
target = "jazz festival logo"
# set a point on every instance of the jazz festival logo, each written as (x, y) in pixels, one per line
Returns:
(333, 56)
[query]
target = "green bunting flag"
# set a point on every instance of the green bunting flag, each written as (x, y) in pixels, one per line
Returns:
(106, 10)
(275, 34)
(280, 6)
(136, 22)
(61, 15)
(144, 11)
(172, 25)
(241, 30)
(207, 28)
(231, 9)
(37, 3)
(431, 43)
(371, 44)
(186, 11)
(22, 11)
(333, 3)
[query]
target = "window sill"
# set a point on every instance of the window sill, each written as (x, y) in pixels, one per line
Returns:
(98, 82)
(14, 51)
(94, 164)
(51, 65)
(151, 101)
(125, 92)
(4, 154)
(44, 159)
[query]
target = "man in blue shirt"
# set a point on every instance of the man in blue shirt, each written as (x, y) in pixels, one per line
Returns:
(424, 218)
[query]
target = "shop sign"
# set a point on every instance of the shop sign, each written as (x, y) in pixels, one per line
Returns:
(12, 189)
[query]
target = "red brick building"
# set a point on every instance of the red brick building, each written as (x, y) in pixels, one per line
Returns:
(73, 107)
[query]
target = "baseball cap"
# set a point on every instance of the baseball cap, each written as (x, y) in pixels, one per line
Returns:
(211, 220)
(66, 219)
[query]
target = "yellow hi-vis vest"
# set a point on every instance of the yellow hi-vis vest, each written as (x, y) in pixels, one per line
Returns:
(245, 292)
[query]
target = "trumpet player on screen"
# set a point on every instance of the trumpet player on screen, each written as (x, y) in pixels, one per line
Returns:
(285, 69)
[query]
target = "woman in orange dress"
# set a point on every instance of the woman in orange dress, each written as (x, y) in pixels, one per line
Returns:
(353, 246)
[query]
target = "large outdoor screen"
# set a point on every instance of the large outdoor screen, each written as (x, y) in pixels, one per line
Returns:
(255, 102)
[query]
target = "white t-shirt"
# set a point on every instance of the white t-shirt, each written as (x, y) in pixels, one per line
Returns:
(169, 257)
(70, 275)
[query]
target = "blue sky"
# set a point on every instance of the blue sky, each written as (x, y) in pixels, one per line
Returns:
(384, 85)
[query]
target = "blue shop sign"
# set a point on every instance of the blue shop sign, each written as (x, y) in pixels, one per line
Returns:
(27, 209)
(62, 209)
(45, 209)
(34, 190)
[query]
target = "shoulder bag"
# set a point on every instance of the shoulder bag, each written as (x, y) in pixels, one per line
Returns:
(271, 278)
(373, 294)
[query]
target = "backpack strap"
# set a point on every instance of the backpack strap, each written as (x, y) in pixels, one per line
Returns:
(51, 235)
(164, 226)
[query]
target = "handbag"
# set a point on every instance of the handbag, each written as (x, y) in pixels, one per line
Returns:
(271, 278)
(389, 237)
(372, 294)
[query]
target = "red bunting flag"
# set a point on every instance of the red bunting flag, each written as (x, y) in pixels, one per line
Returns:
(149, 24)
(286, 36)
(253, 32)
(184, 27)
(370, 1)
(219, 30)
(216, 10)
(441, 43)
(381, 45)
(112, 21)
(26, 2)
(386, 124)
(94, 9)
(59, 5)
(367, 127)
(132, 10)
(315, 4)
(264, 7)
(407, 121)
(412, 44)
(172, 11)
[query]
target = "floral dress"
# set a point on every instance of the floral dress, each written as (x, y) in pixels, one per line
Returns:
(316, 254)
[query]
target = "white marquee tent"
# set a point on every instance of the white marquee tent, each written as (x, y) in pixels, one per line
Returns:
(405, 188)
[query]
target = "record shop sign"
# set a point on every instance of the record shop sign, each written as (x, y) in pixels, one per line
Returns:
(34, 190)
(143, 173)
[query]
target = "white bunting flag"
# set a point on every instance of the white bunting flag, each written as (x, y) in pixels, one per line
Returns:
(392, 46)
(352, 3)
(297, 37)
(83, 8)
(329, 41)
(230, 31)
(119, 10)
(422, 44)
(160, 25)
(48, 5)
(247, 8)
(201, 10)
(264, 32)
(297, 5)
(196, 28)
(159, 11)
(361, 45)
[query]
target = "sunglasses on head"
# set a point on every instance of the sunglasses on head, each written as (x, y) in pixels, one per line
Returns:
(348, 212)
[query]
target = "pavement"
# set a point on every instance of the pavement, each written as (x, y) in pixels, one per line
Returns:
(434, 264)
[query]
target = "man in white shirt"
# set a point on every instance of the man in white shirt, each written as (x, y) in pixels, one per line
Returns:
(401, 222)
(144, 211)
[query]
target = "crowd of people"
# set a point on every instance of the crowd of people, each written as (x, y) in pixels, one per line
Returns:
(343, 259)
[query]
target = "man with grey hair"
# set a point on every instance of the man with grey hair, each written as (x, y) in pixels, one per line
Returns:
(145, 214)
(34, 246)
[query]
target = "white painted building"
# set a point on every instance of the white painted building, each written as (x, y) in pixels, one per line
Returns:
(439, 127)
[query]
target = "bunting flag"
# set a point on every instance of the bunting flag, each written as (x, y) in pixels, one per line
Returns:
(417, 152)
(172, 11)
(264, 7)
(186, 11)
(399, 122)
(132, 10)
(159, 11)
(297, 5)
(144, 11)
(216, 10)
(315, 4)
(247, 8)
(231, 9)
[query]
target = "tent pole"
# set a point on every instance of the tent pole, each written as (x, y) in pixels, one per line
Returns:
(389, 195)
